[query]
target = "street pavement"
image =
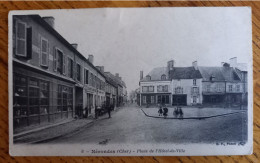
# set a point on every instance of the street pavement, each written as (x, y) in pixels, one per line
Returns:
(129, 125)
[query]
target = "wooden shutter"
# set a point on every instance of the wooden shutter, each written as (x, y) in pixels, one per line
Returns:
(21, 39)
(64, 64)
(55, 59)
(29, 43)
(44, 52)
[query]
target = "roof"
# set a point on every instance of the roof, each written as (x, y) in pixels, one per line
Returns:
(185, 73)
(241, 66)
(156, 74)
(219, 73)
(50, 29)
(113, 79)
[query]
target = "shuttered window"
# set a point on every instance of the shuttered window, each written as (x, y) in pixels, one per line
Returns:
(44, 52)
(21, 39)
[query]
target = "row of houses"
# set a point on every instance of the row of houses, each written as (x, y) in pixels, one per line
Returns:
(52, 80)
(195, 85)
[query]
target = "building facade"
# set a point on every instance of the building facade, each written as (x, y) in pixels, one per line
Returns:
(52, 81)
(224, 85)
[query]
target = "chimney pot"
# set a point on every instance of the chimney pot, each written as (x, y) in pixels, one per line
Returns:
(75, 45)
(91, 58)
(50, 20)
(195, 65)
(141, 75)
(233, 62)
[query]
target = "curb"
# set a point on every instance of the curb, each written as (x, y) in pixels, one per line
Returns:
(17, 136)
(78, 129)
(199, 118)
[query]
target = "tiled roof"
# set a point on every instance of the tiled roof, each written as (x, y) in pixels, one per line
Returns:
(241, 66)
(185, 73)
(156, 74)
(219, 73)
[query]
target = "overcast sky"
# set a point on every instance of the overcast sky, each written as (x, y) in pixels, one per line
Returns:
(128, 40)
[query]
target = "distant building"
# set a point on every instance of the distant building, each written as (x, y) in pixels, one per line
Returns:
(225, 85)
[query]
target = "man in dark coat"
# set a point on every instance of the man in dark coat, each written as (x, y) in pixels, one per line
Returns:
(109, 108)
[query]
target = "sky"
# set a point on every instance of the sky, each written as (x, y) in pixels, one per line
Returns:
(127, 40)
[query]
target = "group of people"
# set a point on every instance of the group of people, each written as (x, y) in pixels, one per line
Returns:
(163, 111)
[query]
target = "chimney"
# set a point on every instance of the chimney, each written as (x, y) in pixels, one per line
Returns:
(120, 78)
(195, 65)
(50, 20)
(75, 45)
(141, 75)
(102, 68)
(98, 67)
(117, 75)
(91, 58)
(170, 65)
(233, 62)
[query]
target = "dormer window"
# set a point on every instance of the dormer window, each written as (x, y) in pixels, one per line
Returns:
(211, 78)
(163, 77)
(148, 77)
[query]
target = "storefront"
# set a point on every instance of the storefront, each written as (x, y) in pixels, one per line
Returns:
(40, 99)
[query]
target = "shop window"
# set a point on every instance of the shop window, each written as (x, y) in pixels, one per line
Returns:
(152, 99)
(144, 99)
(65, 98)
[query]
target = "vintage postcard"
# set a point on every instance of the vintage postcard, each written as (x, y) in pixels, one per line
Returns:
(131, 82)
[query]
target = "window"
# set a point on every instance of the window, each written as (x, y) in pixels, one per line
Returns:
(59, 61)
(230, 88)
(21, 39)
(44, 52)
(70, 67)
(163, 77)
(91, 80)
(208, 88)
(195, 90)
(178, 90)
(144, 89)
(163, 99)
(238, 88)
(151, 88)
(152, 99)
(194, 82)
(78, 72)
(148, 77)
(144, 99)
(165, 88)
(86, 76)
(65, 98)
(218, 88)
(194, 99)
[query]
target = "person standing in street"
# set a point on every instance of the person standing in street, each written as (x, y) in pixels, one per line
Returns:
(109, 108)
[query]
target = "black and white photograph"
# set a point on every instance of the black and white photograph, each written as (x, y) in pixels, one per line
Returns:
(171, 81)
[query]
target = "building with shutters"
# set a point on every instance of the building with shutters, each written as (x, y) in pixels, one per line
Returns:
(52, 81)
(224, 85)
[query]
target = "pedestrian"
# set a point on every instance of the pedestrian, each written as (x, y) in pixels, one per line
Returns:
(109, 108)
(181, 113)
(160, 111)
(165, 111)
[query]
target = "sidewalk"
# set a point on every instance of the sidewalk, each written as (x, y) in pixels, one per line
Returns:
(55, 131)
(50, 132)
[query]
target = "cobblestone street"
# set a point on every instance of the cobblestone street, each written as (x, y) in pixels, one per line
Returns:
(130, 125)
